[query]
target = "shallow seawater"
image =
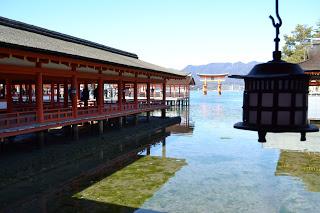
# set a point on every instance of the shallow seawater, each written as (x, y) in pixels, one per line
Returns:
(201, 165)
(229, 171)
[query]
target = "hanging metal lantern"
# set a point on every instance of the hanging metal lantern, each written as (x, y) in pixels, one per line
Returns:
(276, 96)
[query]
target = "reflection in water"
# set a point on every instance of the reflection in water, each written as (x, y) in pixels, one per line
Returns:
(298, 159)
(186, 126)
(303, 165)
(64, 177)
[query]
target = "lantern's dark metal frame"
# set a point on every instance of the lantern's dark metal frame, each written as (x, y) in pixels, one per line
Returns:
(275, 71)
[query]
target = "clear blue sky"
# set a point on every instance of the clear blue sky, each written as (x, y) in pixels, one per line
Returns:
(171, 33)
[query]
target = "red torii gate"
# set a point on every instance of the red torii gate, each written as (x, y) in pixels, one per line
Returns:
(205, 78)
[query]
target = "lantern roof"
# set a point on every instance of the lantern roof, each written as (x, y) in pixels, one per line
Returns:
(273, 69)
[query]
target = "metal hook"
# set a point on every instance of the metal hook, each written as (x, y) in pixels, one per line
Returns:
(277, 54)
(278, 16)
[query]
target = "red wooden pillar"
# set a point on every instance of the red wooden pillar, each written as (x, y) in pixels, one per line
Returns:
(174, 90)
(65, 94)
(9, 96)
(135, 95)
(39, 97)
(164, 91)
(170, 90)
(78, 90)
(74, 96)
(52, 94)
(148, 94)
(120, 95)
(20, 93)
(58, 94)
(100, 95)
(179, 90)
(30, 93)
(124, 92)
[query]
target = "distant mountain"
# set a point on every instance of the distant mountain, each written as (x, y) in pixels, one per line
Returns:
(238, 68)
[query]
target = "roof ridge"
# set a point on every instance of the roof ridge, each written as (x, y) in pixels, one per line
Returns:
(50, 33)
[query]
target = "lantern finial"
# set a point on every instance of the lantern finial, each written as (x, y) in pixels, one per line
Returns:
(277, 53)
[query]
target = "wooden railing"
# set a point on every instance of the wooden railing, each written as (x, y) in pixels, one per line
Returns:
(57, 114)
(128, 106)
(24, 118)
(110, 108)
(17, 119)
(88, 111)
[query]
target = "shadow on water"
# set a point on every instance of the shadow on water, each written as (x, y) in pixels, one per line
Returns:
(57, 177)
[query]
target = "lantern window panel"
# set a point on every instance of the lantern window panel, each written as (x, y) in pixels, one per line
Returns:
(253, 117)
(266, 118)
(283, 118)
(284, 99)
(253, 99)
(299, 100)
(267, 100)
(298, 118)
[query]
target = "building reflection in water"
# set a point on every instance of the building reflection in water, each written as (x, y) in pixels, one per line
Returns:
(186, 126)
(298, 159)
(90, 175)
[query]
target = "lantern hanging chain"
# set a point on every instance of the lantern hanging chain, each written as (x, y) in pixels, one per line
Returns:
(277, 26)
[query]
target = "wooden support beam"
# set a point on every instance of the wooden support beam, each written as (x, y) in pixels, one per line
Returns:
(65, 94)
(148, 94)
(100, 123)
(135, 95)
(148, 116)
(9, 96)
(30, 93)
(135, 119)
(120, 95)
(58, 94)
(75, 130)
(74, 96)
(164, 153)
(164, 93)
(78, 90)
(100, 98)
(148, 150)
(39, 97)
(52, 94)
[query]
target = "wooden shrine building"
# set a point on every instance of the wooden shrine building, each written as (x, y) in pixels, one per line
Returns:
(49, 79)
(312, 66)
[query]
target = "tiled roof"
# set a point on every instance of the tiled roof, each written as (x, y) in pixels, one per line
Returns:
(313, 61)
(19, 34)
